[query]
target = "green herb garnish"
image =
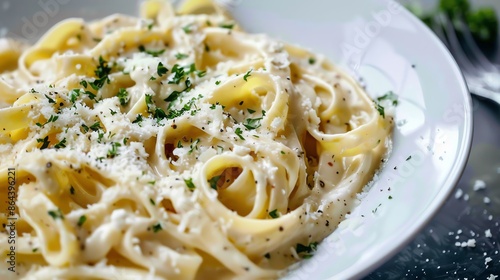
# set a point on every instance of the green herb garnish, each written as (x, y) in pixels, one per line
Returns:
(82, 220)
(274, 214)
(150, 52)
(227, 25)
(306, 251)
(245, 77)
(102, 72)
(113, 152)
(213, 182)
(161, 69)
(190, 184)
(238, 132)
(61, 144)
(50, 99)
(157, 228)
(45, 142)
(389, 96)
(181, 56)
(123, 96)
(56, 214)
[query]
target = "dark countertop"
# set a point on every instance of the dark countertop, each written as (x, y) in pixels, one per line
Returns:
(467, 214)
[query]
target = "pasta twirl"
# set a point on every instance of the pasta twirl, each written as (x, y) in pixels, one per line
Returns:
(177, 146)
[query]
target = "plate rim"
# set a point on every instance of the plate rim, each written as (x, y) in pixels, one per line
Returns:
(455, 172)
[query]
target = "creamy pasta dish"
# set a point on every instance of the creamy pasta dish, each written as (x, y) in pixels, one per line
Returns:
(175, 146)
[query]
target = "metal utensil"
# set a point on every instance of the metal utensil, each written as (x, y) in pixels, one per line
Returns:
(481, 75)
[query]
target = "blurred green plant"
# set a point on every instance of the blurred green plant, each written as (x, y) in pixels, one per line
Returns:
(454, 8)
(482, 22)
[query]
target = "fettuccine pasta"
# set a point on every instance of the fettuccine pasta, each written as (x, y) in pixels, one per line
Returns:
(177, 146)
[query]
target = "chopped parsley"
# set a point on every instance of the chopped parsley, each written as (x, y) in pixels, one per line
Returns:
(112, 112)
(96, 126)
(172, 113)
(74, 94)
(71, 190)
(52, 118)
(213, 182)
(391, 96)
(150, 52)
(102, 72)
(123, 96)
(312, 60)
(45, 142)
(274, 214)
(306, 252)
(84, 83)
(227, 25)
(56, 214)
(157, 113)
(194, 146)
(238, 132)
(217, 83)
(180, 73)
(100, 136)
(251, 124)
(251, 111)
(190, 184)
(81, 220)
(187, 29)
(157, 228)
(91, 95)
(85, 128)
(161, 69)
(50, 99)
(138, 119)
(149, 101)
(380, 109)
(152, 202)
(245, 77)
(61, 144)
(181, 56)
(114, 150)
(200, 73)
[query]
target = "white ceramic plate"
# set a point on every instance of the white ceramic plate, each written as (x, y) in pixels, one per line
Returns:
(378, 41)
